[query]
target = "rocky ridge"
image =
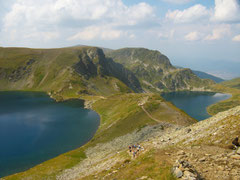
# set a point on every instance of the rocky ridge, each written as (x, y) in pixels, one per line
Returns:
(155, 71)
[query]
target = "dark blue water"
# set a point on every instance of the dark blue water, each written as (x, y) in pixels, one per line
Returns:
(195, 103)
(34, 128)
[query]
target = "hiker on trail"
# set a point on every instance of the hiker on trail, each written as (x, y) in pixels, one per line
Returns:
(235, 142)
(130, 148)
(139, 147)
(135, 149)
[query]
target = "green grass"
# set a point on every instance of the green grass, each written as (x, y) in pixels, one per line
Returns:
(234, 83)
(226, 104)
(151, 164)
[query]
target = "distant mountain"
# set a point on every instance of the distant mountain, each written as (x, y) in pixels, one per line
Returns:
(155, 71)
(74, 70)
(234, 83)
(204, 75)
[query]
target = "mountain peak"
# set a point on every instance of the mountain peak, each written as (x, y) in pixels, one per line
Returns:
(156, 72)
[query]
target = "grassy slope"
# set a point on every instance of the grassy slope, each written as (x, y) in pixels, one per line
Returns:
(234, 83)
(123, 114)
(151, 164)
(226, 104)
(52, 72)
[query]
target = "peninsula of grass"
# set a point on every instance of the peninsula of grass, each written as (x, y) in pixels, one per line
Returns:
(226, 104)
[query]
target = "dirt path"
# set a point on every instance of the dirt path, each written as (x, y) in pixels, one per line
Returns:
(149, 115)
(141, 104)
(157, 120)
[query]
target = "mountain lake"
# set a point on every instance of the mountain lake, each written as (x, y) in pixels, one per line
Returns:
(35, 128)
(195, 103)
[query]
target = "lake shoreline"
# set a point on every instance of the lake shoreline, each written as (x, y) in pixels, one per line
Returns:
(189, 101)
(35, 124)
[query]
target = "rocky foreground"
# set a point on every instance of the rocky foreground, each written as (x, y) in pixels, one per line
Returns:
(199, 151)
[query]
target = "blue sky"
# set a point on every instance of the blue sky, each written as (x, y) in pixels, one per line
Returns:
(200, 34)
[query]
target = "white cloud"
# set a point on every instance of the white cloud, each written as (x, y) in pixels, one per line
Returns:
(191, 14)
(132, 36)
(46, 36)
(50, 18)
(95, 32)
(178, 1)
(219, 33)
(166, 35)
(227, 10)
(236, 38)
(193, 36)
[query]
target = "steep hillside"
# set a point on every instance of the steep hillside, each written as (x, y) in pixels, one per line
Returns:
(66, 71)
(234, 83)
(155, 71)
(199, 151)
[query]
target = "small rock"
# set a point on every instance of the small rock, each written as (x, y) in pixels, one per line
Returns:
(230, 154)
(143, 177)
(202, 159)
(188, 175)
(224, 159)
(188, 130)
(181, 152)
(220, 168)
(236, 157)
(178, 173)
(238, 151)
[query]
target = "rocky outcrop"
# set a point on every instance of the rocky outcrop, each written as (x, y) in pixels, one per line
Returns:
(184, 170)
(155, 71)
(17, 73)
(93, 62)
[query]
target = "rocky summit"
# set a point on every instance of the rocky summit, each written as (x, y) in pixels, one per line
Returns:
(155, 71)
